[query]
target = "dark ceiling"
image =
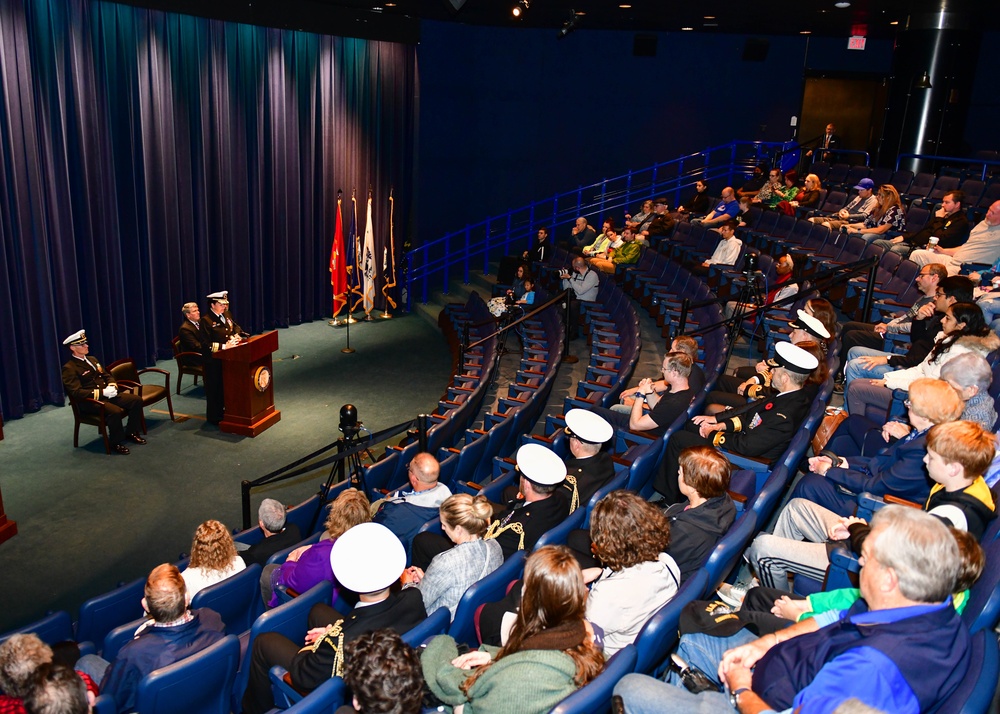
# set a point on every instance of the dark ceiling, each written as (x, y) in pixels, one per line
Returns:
(399, 20)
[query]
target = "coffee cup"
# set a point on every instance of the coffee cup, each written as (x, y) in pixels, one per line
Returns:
(933, 240)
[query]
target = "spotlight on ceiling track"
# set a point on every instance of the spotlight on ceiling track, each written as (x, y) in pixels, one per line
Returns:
(518, 10)
(569, 25)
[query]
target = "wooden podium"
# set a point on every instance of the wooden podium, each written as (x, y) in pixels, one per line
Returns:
(246, 380)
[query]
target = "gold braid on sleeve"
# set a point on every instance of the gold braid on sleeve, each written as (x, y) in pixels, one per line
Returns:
(575, 500)
(335, 638)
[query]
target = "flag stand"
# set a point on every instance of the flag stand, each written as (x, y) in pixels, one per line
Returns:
(348, 350)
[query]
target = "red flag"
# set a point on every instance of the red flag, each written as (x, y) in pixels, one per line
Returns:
(338, 265)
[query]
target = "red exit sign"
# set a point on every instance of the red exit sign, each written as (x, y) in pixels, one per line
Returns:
(856, 43)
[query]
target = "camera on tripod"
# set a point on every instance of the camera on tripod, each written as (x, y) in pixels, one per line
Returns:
(749, 264)
(349, 423)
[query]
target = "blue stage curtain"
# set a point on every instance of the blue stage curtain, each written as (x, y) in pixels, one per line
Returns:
(150, 158)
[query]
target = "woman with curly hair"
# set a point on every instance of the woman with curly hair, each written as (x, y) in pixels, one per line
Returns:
(213, 558)
(550, 652)
(309, 565)
(629, 536)
(383, 673)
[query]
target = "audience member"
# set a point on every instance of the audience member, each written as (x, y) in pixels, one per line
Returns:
(406, 510)
(779, 288)
(309, 565)
(755, 182)
(85, 378)
(601, 243)
(697, 205)
(588, 467)
(857, 209)
(970, 374)
(762, 428)
(871, 336)
(581, 234)
(724, 212)
(521, 522)
(962, 330)
(625, 254)
(517, 288)
(726, 252)
(664, 407)
(58, 690)
(172, 633)
(758, 384)
(696, 380)
(213, 558)
(662, 224)
(886, 217)
(983, 246)
(584, 283)
(958, 453)
(550, 652)
(835, 481)
(771, 193)
(368, 559)
(827, 144)
(197, 346)
(540, 251)
(21, 658)
(641, 220)
(384, 675)
(949, 227)
(278, 534)
(464, 520)
(902, 647)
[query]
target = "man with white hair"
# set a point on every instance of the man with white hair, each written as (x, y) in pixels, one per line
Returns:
(406, 510)
(983, 246)
(278, 534)
(902, 647)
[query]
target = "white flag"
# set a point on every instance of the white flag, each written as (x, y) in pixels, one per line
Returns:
(369, 262)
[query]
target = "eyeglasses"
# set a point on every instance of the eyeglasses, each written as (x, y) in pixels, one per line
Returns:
(907, 403)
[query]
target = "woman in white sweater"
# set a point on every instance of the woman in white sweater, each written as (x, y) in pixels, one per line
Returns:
(963, 330)
(629, 536)
(213, 558)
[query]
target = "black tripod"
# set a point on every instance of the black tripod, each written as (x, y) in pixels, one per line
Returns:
(750, 298)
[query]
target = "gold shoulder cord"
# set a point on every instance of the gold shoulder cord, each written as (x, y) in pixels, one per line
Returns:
(496, 529)
(574, 502)
(335, 636)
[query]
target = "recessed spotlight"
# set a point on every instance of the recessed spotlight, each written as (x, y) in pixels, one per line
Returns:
(894, 22)
(624, 7)
(709, 17)
(390, 4)
(579, 13)
(687, 29)
(805, 32)
(842, 4)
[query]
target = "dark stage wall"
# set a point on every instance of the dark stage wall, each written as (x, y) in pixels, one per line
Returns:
(149, 158)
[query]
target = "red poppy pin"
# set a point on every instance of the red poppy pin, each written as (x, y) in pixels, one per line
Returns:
(769, 405)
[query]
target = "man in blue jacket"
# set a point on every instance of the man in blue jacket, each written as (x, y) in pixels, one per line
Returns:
(404, 511)
(901, 648)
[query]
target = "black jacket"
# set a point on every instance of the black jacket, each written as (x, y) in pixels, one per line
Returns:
(695, 531)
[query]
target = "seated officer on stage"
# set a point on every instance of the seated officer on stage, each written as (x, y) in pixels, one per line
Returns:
(83, 377)
(762, 428)
(521, 522)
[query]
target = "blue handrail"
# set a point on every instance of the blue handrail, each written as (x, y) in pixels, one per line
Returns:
(435, 263)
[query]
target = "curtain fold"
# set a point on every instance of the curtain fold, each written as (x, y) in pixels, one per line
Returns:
(149, 158)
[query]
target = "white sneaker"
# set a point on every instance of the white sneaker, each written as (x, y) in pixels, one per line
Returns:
(733, 595)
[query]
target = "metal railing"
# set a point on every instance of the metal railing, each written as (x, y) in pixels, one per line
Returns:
(433, 265)
(944, 161)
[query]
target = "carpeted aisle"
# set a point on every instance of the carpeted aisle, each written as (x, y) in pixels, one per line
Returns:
(87, 521)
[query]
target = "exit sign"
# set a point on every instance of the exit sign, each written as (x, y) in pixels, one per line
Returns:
(856, 43)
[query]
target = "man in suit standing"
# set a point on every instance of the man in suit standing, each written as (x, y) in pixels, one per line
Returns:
(367, 559)
(828, 143)
(84, 377)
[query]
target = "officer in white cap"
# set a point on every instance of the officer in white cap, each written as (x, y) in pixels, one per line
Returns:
(762, 428)
(220, 323)
(84, 379)
(368, 559)
(589, 467)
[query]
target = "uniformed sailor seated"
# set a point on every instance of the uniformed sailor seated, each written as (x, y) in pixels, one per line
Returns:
(762, 428)
(521, 522)
(85, 378)
(589, 467)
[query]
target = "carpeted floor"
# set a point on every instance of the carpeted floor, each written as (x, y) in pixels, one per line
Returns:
(87, 521)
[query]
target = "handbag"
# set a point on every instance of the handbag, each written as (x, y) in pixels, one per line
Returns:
(834, 416)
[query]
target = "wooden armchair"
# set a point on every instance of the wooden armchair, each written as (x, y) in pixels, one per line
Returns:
(186, 366)
(128, 375)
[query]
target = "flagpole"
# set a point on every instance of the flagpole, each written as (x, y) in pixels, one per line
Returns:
(369, 253)
(389, 285)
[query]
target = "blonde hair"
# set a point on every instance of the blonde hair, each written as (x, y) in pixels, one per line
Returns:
(349, 509)
(471, 513)
(212, 547)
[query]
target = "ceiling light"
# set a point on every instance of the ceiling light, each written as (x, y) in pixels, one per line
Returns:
(518, 10)
(709, 17)
(805, 32)
(842, 4)
(624, 7)
(894, 22)
(687, 29)
(390, 4)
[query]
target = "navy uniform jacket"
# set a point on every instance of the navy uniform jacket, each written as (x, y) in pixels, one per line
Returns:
(762, 428)
(520, 524)
(85, 379)
(589, 474)
(219, 330)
